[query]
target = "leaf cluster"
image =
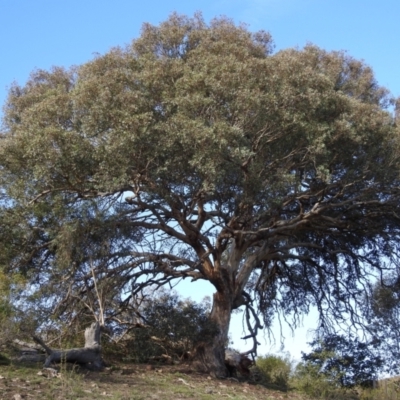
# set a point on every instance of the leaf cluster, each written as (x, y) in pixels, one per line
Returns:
(274, 371)
(382, 314)
(170, 326)
(345, 362)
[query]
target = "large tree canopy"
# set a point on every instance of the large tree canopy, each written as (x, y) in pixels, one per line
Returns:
(197, 152)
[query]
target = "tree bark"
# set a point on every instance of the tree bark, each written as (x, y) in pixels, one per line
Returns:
(89, 355)
(211, 355)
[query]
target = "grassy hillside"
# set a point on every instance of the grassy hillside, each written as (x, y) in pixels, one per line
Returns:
(124, 381)
(135, 381)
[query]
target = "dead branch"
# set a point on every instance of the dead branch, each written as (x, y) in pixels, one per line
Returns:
(90, 355)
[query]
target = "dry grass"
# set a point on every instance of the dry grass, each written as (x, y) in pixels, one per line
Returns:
(143, 381)
(139, 382)
(388, 389)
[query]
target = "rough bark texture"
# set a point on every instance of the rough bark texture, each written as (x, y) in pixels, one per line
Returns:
(90, 355)
(211, 355)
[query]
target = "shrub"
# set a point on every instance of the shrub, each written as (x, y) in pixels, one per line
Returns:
(387, 389)
(308, 379)
(273, 371)
(173, 327)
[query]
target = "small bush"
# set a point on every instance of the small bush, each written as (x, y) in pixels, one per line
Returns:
(387, 389)
(172, 327)
(273, 371)
(309, 380)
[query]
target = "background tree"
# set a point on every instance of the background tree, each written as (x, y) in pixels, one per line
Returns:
(195, 152)
(382, 310)
(344, 361)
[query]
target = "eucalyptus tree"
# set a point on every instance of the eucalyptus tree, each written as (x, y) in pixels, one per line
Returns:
(196, 152)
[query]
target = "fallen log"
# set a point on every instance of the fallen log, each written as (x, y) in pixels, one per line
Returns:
(27, 347)
(89, 355)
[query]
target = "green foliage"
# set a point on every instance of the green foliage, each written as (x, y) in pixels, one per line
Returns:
(335, 366)
(172, 327)
(382, 311)
(273, 371)
(308, 379)
(387, 389)
(195, 152)
(12, 317)
(345, 362)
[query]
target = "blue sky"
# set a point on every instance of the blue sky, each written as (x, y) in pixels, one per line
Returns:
(43, 33)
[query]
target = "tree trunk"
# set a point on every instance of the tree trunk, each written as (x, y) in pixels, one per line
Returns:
(211, 354)
(89, 355)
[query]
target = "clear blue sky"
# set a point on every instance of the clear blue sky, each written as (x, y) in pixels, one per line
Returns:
(43, 33)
